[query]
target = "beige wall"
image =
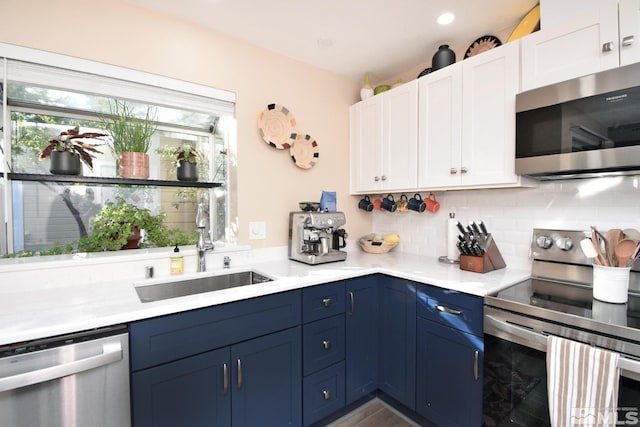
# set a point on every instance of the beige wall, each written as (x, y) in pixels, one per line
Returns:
(269, 184)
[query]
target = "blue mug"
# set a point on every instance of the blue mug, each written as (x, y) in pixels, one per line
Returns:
(365, 204)
(416, 203)
(389, 203)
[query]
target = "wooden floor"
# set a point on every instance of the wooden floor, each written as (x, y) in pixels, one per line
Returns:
(374, 413)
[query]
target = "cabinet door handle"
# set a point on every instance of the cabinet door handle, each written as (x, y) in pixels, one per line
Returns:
(476, 356)
(326, 344)
(225, 379)
(239, 374)
(384, 178)
(453, 171)
(326, 394)
(376, 178)
(352, 303)
(448, 310)
(628, 40)
(464, 169)
(326, 302)
(607, 47)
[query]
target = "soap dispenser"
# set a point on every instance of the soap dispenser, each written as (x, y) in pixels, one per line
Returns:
(177, 262)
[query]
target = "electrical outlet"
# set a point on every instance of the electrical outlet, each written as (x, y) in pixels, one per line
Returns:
(257, 230)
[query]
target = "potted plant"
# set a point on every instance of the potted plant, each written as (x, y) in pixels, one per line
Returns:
(119, 224)
(131, 138)
(67, 150)
(185, 158)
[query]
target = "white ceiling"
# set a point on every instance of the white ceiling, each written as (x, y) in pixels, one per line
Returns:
(351, 37)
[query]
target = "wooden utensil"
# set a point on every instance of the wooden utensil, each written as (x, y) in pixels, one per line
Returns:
(613, 237)
(625, 249)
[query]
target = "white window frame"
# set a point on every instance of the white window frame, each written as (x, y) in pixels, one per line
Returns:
(32, 66)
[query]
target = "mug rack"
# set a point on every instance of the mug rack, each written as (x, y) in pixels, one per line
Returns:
(491, 259)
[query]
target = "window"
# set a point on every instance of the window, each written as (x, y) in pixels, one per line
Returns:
(39, 102)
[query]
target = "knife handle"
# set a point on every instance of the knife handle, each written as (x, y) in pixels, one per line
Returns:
(482, 228)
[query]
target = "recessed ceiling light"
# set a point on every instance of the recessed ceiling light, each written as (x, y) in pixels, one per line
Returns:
(446, 18)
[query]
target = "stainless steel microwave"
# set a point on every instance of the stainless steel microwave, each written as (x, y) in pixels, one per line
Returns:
(585, 127)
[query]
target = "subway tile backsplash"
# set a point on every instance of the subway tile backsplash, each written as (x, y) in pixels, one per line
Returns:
(511, 214)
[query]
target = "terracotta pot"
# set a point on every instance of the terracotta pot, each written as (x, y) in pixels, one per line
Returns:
(65, 163)
(134, 165)
(187, 171)
(133, 241)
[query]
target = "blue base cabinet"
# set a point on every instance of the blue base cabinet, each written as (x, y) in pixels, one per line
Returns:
(323, 351)
(299, 358)
(362, 328)
(450, 357)
(237, 364)
(202, 399)
(267, 381)
(397, 326)
(260, 387)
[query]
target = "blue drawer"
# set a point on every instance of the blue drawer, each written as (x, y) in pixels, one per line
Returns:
(323, 393)
(323, 343)
(323, 301)
(163, 339)
(451, 308)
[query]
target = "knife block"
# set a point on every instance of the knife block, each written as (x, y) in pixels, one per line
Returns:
(489, 261)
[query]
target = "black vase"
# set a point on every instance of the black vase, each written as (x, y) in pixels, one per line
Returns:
(65, 163)
(187, 171)
(443, 57)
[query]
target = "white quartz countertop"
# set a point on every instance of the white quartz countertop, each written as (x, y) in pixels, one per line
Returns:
(30, 309)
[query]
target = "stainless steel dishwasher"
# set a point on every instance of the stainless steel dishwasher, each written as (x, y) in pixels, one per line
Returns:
(74, 380)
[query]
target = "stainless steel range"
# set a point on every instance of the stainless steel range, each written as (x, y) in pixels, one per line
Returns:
(557, 300)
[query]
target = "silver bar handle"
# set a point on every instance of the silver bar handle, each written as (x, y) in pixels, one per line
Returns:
(239, 385)
(326, 344)
(326, 302)
(352, 303)
(476, 357)
(541, 340)
(448, 310)
(111, 352)
(225, 379)
(464, 169)
(453, 171)
(607, 47)
(628, 40)
(326, 394)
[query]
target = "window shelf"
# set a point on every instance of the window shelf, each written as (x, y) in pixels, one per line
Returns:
(72, 179)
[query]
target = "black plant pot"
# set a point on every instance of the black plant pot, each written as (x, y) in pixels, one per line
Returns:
(65, 163)
(187, 171)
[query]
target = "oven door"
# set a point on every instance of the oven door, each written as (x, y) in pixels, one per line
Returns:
(515, 374)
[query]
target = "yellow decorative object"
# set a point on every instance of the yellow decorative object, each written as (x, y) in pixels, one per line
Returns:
(528, 24)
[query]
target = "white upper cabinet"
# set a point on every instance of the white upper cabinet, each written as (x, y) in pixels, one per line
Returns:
(629, 24)
(440, 127)
(580, 39)
(383, 141)
(467, 122)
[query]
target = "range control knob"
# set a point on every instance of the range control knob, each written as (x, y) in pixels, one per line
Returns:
(564, 243)
(544, 242)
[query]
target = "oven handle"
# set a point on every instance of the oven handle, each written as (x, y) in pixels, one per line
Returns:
(530, 337)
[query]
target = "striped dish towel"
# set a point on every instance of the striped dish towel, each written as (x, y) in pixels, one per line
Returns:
(582, 384)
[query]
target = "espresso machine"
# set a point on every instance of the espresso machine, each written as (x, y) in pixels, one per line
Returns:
(316, 237)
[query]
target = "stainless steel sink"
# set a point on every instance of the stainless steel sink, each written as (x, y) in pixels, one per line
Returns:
(161, 291)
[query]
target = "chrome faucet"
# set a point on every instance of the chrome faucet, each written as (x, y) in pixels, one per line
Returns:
(203, 245)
